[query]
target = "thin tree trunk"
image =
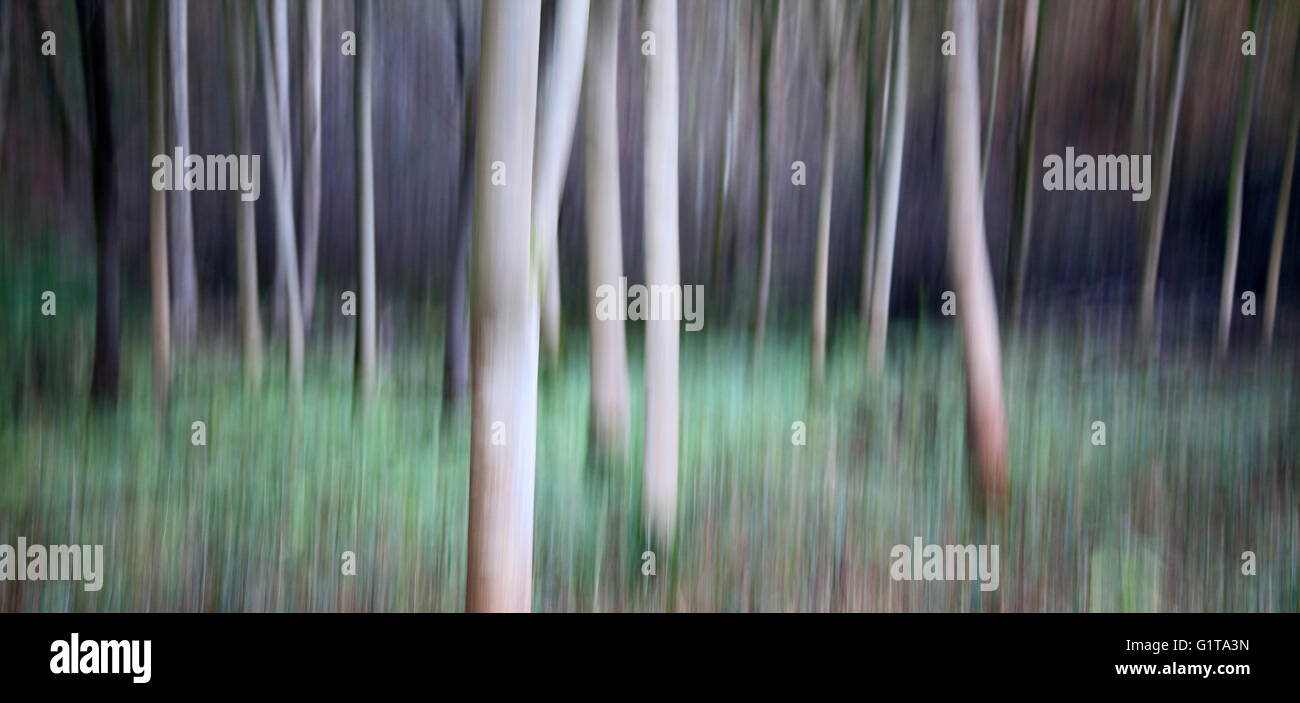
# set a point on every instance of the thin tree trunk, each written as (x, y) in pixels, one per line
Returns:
(250, 318)
(184, 276)
(821, 264)
(771, 19)
(311, 156)
(986, 424)
(609, 382)
(505, 316)
(1155, 233)
(158, 263)
(1283, 205)
(275, 72)
(1137, 119)
(455, 361)
(364, 374)
(556, 118)
(872, 215)
(729, 137)
(1023, 228)
(662, 336)
(91, 19)
(1236, 177)
(987, 151)
(892, 173)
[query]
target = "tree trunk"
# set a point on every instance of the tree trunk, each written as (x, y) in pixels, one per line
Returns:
(250, 317)
(771, 19)
(893, 169)
(184, 276)
(872, 215)
(986, 424)
(455, 358)
(91, 19)
(158, 208)
(364, 375)
(505, 317)
(609, 382)
(6, 20)
(275, 73)
(1283, 204)
(821, 264)
(987, 151)
(659, 490)
(1025, 182)
(1245, 109)
(1155, 233)
(311, 156)
(868, 164)
(556, 118)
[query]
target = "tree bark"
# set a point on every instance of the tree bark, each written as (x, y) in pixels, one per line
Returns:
(1155, 233)
(504, 334)
(821, 264)
(1283, 205)
(662, 336)
(184, 276)
(91, 19)
(158, 262)
(986, 425)
(771, 25)
(893, 168)
(311, 156)
(609, 382)
(250, 317)
(364, 374)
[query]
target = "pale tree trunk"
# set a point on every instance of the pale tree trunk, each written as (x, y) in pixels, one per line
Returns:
(1283, 204)
(968, 260)
(876, 136)
(662, 336)
(158, 208)
(250, 318)
(505, 315)
(833, 17)
(609, 382)
(1155, 232)
(275, 74)
(364, 374)
(1023, 228)
(987, 151)
(892, 173)
(1236, 178)
(771, 20)
(184, 277)
(729, 137)
(311, 155)
(557, 115)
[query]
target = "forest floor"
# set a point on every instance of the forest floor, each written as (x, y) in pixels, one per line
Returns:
(1199, 465)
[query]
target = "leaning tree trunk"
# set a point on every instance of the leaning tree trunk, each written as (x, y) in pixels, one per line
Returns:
(1283, 204)
(556, 118)
(1236, 178)
(91, 19)
(250, 320)
(311, 155)
(1155, 233)
(364, 374)
(184, 277)
(771, 19)
(893, 169)
(662, 336)
(158, 209)
(968, 260)
(275, 73)
(609, 383)
(1023, 229)
(504, 315)
(821, 262)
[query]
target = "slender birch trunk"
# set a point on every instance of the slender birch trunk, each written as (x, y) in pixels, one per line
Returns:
(890, 188)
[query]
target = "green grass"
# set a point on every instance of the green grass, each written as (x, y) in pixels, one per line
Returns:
(1199, 466)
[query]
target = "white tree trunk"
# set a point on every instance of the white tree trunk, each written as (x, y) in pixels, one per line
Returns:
(184, 275)
(364, 379)
(311, 155)
(890, 188)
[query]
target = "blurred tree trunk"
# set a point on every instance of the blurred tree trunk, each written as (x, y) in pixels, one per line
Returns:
(874, 139)
(250, 318)
(968, 260)
(311, 156)
(364, 374)
(1155, 233)
(1283, 204)
(505, 315)
(833, 18)
(184, 276)
(987, 151)
(455, 359)
(1137, 120)
(1023, 227)
(771, 20)
(662, 336)
(890, 187)
(91, 18)
(275, 84)
(730, 135)
(609, 382)
(157, 57)
(557, 116)
(1236, 182)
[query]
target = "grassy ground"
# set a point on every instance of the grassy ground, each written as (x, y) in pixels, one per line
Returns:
(1199, 466)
